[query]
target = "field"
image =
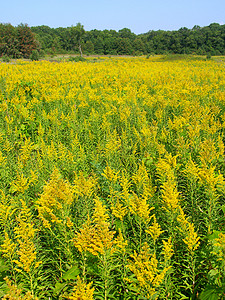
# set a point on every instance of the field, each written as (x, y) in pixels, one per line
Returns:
(112, 179)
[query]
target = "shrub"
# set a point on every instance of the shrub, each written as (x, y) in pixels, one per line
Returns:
(5, 58)
(77, 58)
(34, 55)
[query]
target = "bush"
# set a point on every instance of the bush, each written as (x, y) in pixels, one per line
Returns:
(34, 55)
(76, 58)
(5, 58)
(208, 56)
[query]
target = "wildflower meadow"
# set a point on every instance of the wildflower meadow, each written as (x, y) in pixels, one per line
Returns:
(112, 179)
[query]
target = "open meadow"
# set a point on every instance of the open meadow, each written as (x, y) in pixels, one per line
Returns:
(112, 179)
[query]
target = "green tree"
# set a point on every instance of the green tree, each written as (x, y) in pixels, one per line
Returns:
(77, 35)
(89, 47)
(26, 40)
(8, 41)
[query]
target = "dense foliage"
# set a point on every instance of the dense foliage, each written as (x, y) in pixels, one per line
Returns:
(112, 180)
(20, 41)
(17, 42)
(198, 40)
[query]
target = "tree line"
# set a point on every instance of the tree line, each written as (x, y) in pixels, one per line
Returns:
(20, 41)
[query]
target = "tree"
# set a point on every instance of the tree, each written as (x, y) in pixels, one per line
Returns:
(77, 35)
(8, 40)
(89, 47)
(126, 33)
(26, 40)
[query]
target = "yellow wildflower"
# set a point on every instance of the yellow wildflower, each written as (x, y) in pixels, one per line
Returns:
(8, 247)
(25, 235)
(167, 249)
(145, 268)
(139, 206)
(170, 195)
(55, 201)
(20, 184)
(118, 210)
(84, 186)
(82, 291)
(219, 247)
(110, 174)
(14, 293)
(192, 239)
(95, 236)
(120, 243)
(154, 230)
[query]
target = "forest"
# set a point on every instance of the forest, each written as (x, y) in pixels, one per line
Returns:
(21, 40)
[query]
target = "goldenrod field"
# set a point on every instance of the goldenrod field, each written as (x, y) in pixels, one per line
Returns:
(112, 179)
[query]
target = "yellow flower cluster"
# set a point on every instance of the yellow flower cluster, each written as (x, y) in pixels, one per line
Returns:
(55, 201)
(145, 268)
(95, 236)
(25, 236)
(92, 149)
(15, 293)
(82, 291)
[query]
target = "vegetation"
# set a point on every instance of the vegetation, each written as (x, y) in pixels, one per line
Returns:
(17, 42)
(198, 40)
(112, 179)
(20, 41)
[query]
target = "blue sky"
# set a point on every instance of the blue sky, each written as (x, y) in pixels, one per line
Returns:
(140, 16)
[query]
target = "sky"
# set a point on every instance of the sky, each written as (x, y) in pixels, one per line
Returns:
(140, 16)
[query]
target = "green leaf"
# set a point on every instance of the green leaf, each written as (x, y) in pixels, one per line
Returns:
(71, 273)
(58, 288)
(213, 272)
(223, 209)
(22, 127)
(211, 293)
(3, 289)
(214, 235)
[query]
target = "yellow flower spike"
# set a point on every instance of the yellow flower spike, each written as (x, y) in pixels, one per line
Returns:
(125, 184)
(25, 235)
(208, 177)
(85, 186)
(167, 250)
(139, 206)
(118, 210)
(69, 223)
(6, 209)
(141, 176)
(110, 174)
(154, 230)
(145, 268)
(181, 218)
(95, 235)
(14, 293)
(82, 291)
(55, 201)
(20, 184)
(25, 151)
(33, 176)
(2, 159)
(192, 239)
(165, 168)
(119, 243)
(191, 169)
(170, 195)
(219, 248)
(8, 247)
